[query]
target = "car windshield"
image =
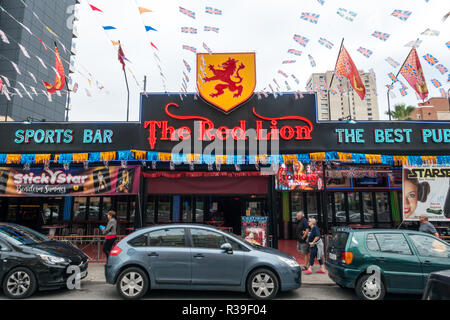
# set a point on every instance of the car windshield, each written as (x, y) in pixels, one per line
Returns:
(22, 235)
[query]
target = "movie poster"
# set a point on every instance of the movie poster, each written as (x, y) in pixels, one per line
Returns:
(73, 182)
(299, 176)
(426, 190)
(254, 230)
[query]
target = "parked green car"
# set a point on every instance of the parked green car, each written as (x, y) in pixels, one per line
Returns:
(403, 258)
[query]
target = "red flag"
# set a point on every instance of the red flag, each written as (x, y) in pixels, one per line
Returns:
(347, 68)
(153, 45)
(60, 78)
(121, 57)
(413, 73)
(95, 8)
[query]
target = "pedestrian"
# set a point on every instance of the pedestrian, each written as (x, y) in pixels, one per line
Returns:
(426, 226)
(110, 231)
(302, 233)
(316, 247)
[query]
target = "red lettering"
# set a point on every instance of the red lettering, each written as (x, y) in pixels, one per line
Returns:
(166, 131)
(287, 132)
(241, 129)
(184, 133)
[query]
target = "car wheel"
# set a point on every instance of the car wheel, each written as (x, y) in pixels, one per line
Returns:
(132, 283)
(19, 283)
(262, 284)
(368, 289)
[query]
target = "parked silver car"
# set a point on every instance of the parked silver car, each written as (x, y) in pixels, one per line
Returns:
(198, 257)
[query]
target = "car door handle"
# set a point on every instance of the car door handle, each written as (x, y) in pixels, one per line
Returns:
(427, 262)
(381, 259)
(199, 255)
(153, 254)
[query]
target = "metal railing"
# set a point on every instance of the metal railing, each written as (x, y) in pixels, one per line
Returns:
(91, 245)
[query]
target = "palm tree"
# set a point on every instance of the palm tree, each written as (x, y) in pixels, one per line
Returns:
(401, 112)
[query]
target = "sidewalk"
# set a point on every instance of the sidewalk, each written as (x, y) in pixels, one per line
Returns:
(96, 273)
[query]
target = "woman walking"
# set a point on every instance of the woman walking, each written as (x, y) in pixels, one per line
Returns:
(316, 247)
(110, 231)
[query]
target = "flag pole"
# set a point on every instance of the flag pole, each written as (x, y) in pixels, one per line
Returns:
(128, 88)
(332, 78)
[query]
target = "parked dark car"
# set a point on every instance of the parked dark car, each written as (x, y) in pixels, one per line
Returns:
(198, 257)
(29, 261)
(438, 286)
(404, 259)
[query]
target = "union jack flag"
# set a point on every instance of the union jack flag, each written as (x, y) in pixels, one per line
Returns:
(207, 48)
(194, 50)
(389, 86)
(341, 89)
(392, 62)
(436, 83)
(301, 40)
(365, 52)
(187, 12)
(409, 68)
(188, 67)
(296, 52)
(448, 78)
(392, 77)
(288, 61)
(282, 73)
(338, 75)
(448, 44)
(295, 79)
(430, 59)
(212, 10)
(430, 32)
(311, 17)
(381, 35)
(404, 87)
(401, 14)
(326, 43)
(188, 30)
(322, 2)
(311, 60)
(403, 92)
(333, 92)
(347, 15)
(214, 29)
(441, 68)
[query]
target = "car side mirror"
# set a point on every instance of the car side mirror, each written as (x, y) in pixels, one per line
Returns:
(227, 247)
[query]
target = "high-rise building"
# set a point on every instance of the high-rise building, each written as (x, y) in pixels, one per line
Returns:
(36, 17)
(345, 103)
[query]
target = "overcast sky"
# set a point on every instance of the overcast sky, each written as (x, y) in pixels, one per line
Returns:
(265, 27)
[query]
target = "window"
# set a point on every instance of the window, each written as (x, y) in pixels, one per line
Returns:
(339, 204)
(419, 116)
(368, 209)
(353, 207)
(164, 210)
(383, 211)
(430, 247)
(186, 213)
(393, 243)
(151, 202)
(207, 239)
(139, 241)
(199, 210)
(122, 207)
(79, 208)
(172, 237)
(297, 205)
(107, 206)
(311, 202)
(94, 208)
(372, 243)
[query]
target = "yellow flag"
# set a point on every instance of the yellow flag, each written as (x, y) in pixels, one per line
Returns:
(144, 10)
(115, 43)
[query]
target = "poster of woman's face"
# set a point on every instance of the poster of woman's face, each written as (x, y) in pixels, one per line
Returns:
(425, 192)
(102, 181)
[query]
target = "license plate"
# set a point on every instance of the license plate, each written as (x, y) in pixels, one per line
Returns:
(332, 256)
